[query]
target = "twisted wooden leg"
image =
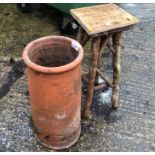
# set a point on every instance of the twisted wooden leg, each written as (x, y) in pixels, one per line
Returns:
(95, 48)
(116, 69)
(80, 34)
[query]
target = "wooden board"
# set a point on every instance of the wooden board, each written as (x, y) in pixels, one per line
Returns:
(101, 18)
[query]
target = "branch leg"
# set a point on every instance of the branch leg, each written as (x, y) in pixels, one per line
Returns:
(80, 35)
(116, 69)
(95, 48)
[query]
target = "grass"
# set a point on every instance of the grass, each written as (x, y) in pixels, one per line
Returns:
(17, 29)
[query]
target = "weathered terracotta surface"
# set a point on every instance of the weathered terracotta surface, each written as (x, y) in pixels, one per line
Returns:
(54, 81)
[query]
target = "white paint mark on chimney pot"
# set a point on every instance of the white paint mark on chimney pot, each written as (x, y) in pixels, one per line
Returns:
(60, 116)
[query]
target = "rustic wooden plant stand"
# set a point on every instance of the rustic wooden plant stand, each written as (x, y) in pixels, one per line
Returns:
(103, 24)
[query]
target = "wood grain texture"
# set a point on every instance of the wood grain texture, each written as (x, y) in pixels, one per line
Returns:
(101, 18)
(116, 68)
(95, 48)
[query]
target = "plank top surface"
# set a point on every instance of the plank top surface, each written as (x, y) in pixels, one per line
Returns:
(101, 18)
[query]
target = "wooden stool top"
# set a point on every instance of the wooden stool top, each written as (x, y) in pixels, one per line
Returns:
(102, 18)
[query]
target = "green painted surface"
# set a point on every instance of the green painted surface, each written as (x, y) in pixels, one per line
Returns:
(65, 7)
